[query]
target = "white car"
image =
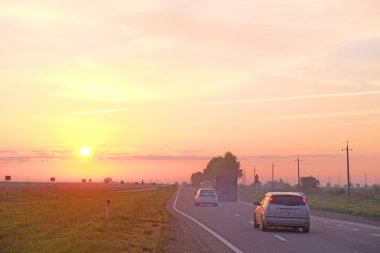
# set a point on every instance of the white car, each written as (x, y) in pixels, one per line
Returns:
(206, 196)
(282, 209)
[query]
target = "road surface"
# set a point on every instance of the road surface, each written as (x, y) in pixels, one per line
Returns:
(229, 228)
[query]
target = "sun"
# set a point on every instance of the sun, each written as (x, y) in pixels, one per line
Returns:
(84, 151)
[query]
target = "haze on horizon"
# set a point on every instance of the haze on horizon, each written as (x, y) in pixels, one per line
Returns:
(157, 88)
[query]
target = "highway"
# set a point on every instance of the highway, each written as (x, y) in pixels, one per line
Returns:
(229, 228)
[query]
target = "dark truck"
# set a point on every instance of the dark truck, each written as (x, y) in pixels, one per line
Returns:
(226, 188)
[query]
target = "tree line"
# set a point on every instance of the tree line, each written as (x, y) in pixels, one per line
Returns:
(228, 165)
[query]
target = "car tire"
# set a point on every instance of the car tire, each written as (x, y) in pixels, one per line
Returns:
(215, 204)
(306, 230)
(262, 225)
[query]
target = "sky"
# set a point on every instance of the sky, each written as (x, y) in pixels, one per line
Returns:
(156, 89)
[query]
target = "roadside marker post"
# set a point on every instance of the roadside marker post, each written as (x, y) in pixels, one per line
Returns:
(7, 179)
(108, 210)
(52, 180)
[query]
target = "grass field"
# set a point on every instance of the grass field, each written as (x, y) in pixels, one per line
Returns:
(73, 219)
(363, 201)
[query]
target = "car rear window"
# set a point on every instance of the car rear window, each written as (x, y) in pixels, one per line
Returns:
(207, 192)
(287, 200)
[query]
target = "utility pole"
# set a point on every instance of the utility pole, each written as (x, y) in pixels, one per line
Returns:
(298, 170)
(272, 176)
(365, 180)
(244, 180)
(348, 173)
(254, 180)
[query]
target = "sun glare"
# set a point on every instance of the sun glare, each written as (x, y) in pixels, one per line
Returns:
(84, 151)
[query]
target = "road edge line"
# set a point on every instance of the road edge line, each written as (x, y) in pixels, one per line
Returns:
(220, 238)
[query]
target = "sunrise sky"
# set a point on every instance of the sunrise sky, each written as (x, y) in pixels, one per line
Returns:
(157, 88)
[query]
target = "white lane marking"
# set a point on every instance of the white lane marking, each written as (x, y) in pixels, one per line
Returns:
(346, 222)
(237, 215)
(280, 237)
(355, 229)
(251, 222)
(326, 222)
(376, 234)
(339, 225)
(227, 243)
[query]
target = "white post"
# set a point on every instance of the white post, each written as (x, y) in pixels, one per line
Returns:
(7, 179)
(108, 210)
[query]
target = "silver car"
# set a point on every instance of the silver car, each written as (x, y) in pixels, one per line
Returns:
(282, 209)
(206, 196)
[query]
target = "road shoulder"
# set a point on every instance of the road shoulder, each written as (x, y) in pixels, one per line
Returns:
(181, 239)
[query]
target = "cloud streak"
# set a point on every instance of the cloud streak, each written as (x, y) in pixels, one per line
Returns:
(67, 154)
(329, 114)
(288, 98)
(58, 154)
(105, 111)
(89, 112)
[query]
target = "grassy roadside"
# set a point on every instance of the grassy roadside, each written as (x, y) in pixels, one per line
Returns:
(364, 202)
(74, 221)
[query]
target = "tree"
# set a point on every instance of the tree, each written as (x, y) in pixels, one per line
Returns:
(197, 178)
(226, 165)
(257, 179)
(309, 182)
(230, 166)
(376, 187)
(212, 168)
(108, 180)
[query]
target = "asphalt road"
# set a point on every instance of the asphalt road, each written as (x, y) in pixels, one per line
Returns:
(229, 228)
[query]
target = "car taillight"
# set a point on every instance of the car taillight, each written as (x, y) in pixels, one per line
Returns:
(304, 201)
(271, 199)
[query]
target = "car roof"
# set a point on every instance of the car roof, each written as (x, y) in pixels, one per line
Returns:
(286, 193)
